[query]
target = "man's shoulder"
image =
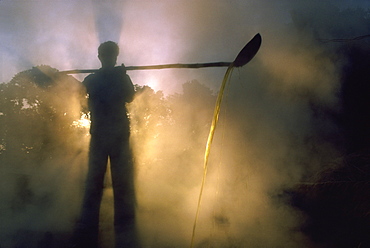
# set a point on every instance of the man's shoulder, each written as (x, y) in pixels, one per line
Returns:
(120, 71)
(88, 79)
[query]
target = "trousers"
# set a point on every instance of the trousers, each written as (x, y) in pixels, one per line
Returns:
(117, 149)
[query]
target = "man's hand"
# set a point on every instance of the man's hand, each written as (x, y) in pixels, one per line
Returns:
(123, 68)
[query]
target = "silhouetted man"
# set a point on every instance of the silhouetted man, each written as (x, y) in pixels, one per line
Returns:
(108, 91)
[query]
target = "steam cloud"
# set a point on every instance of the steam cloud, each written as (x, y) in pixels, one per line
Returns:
(267, 141)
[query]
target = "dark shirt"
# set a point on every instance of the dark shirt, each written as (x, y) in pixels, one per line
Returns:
(109, 91)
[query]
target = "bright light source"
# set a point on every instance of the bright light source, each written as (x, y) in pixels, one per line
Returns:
(83, 122)
(152, 82)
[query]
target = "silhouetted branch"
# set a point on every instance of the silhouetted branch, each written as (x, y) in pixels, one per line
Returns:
(345, 40)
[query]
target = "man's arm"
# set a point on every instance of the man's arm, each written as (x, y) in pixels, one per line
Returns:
(129, 87)
(130, 90)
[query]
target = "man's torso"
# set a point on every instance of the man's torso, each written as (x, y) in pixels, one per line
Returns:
(108, 93)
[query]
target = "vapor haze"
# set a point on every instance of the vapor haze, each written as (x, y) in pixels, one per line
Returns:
(268, 139)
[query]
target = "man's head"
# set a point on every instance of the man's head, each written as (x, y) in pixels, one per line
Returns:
(107, 54)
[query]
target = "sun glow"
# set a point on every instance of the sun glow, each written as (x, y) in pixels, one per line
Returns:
(83, 122)
(152, 82)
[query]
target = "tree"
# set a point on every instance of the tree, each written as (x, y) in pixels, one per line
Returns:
(42, 153)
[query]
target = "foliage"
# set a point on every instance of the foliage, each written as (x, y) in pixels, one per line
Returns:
(171, 130)
(41, 152)
(34, 118)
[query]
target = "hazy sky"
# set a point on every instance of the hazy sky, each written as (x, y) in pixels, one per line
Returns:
(66, 34)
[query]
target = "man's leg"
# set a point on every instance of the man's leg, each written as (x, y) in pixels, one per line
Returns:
(88, 227)
(122, 170)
